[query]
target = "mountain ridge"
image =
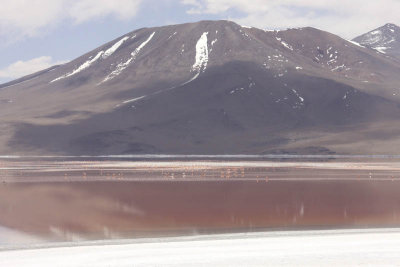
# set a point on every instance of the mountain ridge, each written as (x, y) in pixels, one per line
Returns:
(208, 87)
(385, 40)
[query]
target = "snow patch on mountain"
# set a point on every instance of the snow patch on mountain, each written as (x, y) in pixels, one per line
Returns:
(287, 45)
(201, 59)
(381, 49)
(192, 79)
(338, 67)
(82, 67)
(172, 35)
(297, 94)
(373, 38)
(114, 48)
(133, 100)
(122, 66)
(355, 43)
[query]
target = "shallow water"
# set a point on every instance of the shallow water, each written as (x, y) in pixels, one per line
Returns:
(72, 201)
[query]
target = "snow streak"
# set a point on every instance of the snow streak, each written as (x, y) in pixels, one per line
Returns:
(201, 54)
(122, 66)
(82, 67)
(114, 48)
(133, 100)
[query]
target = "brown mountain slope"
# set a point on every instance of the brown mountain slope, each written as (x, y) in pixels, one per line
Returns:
(211, 87)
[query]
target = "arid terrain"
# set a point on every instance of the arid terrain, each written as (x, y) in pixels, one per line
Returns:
(212, 87)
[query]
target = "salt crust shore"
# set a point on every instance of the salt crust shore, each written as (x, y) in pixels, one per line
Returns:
(373, 247)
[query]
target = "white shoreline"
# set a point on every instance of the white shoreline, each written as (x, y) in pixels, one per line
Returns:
(364, 247)
(205, 237)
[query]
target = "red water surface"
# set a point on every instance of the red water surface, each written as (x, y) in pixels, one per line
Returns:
(120, 209)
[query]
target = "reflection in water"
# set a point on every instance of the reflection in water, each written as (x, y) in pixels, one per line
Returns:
(78, 211)
(140, 202)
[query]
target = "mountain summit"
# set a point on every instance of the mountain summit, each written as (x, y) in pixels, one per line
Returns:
(212, 87)
(385, 39)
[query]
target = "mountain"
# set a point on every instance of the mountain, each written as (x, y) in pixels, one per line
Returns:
(212, 87)
(385, 40)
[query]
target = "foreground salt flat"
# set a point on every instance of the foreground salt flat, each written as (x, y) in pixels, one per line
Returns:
(11, 237)
(306, 248)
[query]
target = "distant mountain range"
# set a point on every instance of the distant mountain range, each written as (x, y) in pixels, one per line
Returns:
(212, 87)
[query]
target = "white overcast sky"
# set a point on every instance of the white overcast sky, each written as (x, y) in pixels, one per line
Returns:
(35, 34)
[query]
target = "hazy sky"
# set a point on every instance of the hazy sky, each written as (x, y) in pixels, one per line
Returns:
(35, 34)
